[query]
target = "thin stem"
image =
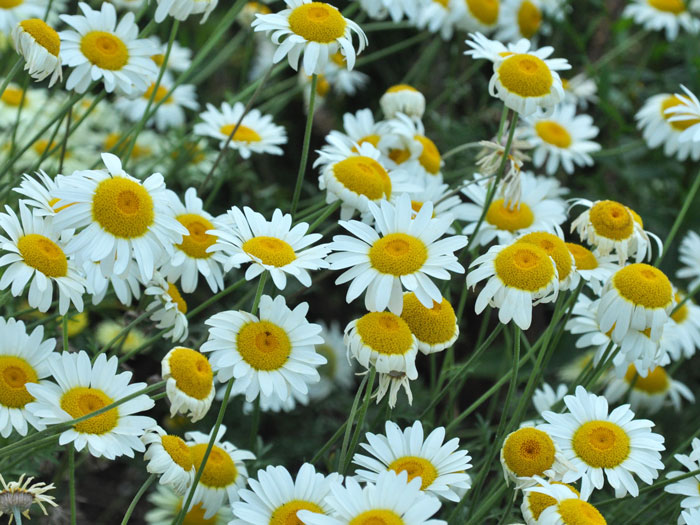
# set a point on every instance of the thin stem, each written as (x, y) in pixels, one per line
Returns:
(122, 333)
(360, 421)
(679, 219)
(349, 422)
(137, 497)
(336, 435)
(326, 213)
(258, 293)
(254, 424)
(71, 482)
(18, 515)
(10, 76)
(307, 142)
(65, 331)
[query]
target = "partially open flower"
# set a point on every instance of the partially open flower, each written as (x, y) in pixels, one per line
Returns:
(39, 45)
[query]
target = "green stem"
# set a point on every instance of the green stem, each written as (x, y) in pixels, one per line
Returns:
(6, 82)
(679, 219)
(137, 497)
(65, 331)
(71, 482)
(349, 422)
(122, 333)
(254, 424)
(258, 293)
(326, 213)
(307, 142)
(336, 435)
(360, 421)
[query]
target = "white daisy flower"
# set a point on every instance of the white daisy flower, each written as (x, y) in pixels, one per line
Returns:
(125, 221)
(686, 115)
(272, 353)
(23, 360)
(686, 328)
(396, 9)
(414, 152)
(189, 382)
(445, 200)
(273, 246)
(593, 268)
(689, 256)
(535, 502)
(182, 9)
(38, 192)
(359, 127)
(406, 255)
(39, 45)
(277, 498)
(650, 393)
(256, 133)
(342, 79)
(568, 506)
(580, 90)
(479, 15)
(12, 13)
(337, 373)
(392, 499)
(179, 60)
(688, 487)
(597, 443)
(169, 457)
(546, 397)
(560, 254)
(435, 328)
(689, 517)
(667, 15)
(167, 505)
(520, 19)
(658, 128)
(97, 48)
(36, 255)
(126, 286)
(439, 16)
(84, 388)
(224, 473)
(402, 98)
(440, 466)
(317, 29)
(168, 308)
(528, 453)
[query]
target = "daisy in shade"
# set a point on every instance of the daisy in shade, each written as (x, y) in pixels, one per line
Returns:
(39, 45)
(528, 453)
(23, 360)
(224, 473)
(562, 138)
(480, 15)
(597, 443)
(179, 60)
(415, 153)
(84, 388)
(435, 328)
(566, 506)
(35, 255)
(688, 487)
(662, 15)
(272, 353)
(440, 466)
(167, 505)
(580, 90)
(169, 457)
(650, 393)
(520, 19)
(182, 9)
(404, 251)
(17, 497)
(97, 48)
(591, 267)
(438, 16)
(358, 128)
(256, 133)
(275, 497)
(402, 98)
(189, 382)
(546, 397)
(659, 128)
(686, 327)
(316, 29)
(686, 115)
(124, 221)
(273, 246)
(397, 9)
(391, 499)
(342, 79)
(168, 308)
(535, 502)
(689, 256)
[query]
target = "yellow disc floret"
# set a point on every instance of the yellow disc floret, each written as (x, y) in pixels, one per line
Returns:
(161, 94)
(668, 6)
(104, 50)
(317, 22)
(526, 75)
(385, 333)
(122, 207)
(524, 266)
(528, 452)
(555, 248)
(196, 516)
(509, 218)
(9, 4)
(415, 467)
(578, 512)
(178, 451)
(601, 444)
(553, 133)
(42, 254)
(195, 244)
(583, 257)
(192, 372)
(287, 514)
(611, 220)
(681, 313)
(485, 11)
(364, 176)
(398, 254)
(242, 134)
(377, 517)
(44, 34)
(263, 345)
(219, 471)
(529, 19)
(176, 297)
(401, 87)
(12, 96)
(270, 250)
(656, 381)
(15, 373)
(430, 325)
(537, 502)
(643, 285)
(81, 401)
(430, 157)
(673, 100)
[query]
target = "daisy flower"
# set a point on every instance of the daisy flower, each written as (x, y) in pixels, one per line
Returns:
(479, 15)
(686, 328)
(179, 60)
(273, 246)
(519, 19)
(341, 78)
(404, 253)
(338, 371)
(168, 308)
(440, 466)
(689, 256)
(416, 154)
(686, 115)
(597, 443)
(107, 330)
(391, 499)
(125, 221)
(667, 15)
(97, 48)
(528, 453)
(277, 498)
(358, 127)
(39, 45)
(182, 9)
(272, 353)
(256, 133)
(18, 497)
(12, 13)
(535, 502)
(560, 254)
(167, 505)
(435, 328)
(580, 90)
(169, 457)
(23, 360)
(84, 388)
(591, 267)
(438, 16)
(189, 382)
(36, 255)
(658, 128)
(38, 192)
(546, 397)
(689, 517)
(126, 286)
(316, 29)
(688, 487)
(562, 138)
(520, 276)
(445, 201)
(650, 393)
(224, 473)
(396, 9)
(566, 506)
(402, 98)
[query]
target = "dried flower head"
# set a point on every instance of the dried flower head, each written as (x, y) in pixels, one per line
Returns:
(18, 496)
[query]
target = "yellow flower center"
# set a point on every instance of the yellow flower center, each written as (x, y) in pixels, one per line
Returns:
(578, 512)
(9, 4)
(196, 516)
(81, 401)
(583, 257)
(104, 50)
(681, 314)
(399, 156)
(270, 250)
(122, 207)
(195, 244)
(509, 218)
(385, 333)
(415, 466)
(670, 6)
(404, 87)
(430, 325)
(322, 86)
(443, 3)
(377, 517)
(178, 451)
(525, 75)
(529, 19)
(137, 153)
(643, 285)
(673, 100)
(430, 157)
(192, 372)
(485, 11)
(42, 146)
(242, 134)
(555, 248)
(338, 59)
(15, 373)
(601, 444)
(12, 96)
(161, 93)
(611, 220)
(537, 502)
(364, 176)
(398, 254)
(176, 297)
(372, 139)
(528, 452)
(158, 59)
(263, 345)
(317, 22)
(524, 266)
(287, 514)
(44, 35)
(42, 254)
(219, 471)
(76, 323)
(656, 381)
(553, 133)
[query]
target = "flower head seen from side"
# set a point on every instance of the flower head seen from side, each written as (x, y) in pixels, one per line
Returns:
(403, 252)
(649, 393)
(189, 382)
(39, 45)
(688, 487)
(530, 452)
(603, 445)
(689, 256)
(592, 267)
(440, 465)
(183, 9)
(686, 114)
(520, 19)
(402, 98)
(167, 505)
(272, 353)
(82, 388)
(565, 506)
(99, 48)
(315, 29)
(658, 128)
(580, 90)
(662, 15)
(38, 192)
(414, 151)
(685, 319)
(546, 397)
(438, 16)
(168, 457)
(18, 496)
(168, 308)
(435, 328)
(535, 502)
(396, 9)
